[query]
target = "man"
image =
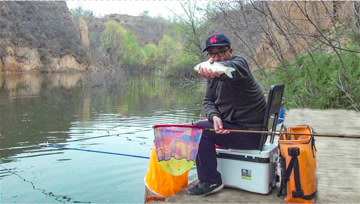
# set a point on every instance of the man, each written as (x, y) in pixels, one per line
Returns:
(229, 103)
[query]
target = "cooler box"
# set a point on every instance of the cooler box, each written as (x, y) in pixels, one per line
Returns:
(255, 170)
(250, 170)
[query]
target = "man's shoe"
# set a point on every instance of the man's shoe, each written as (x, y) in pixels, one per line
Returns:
(204, 188)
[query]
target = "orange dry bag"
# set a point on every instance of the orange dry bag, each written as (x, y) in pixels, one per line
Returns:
(298, 165)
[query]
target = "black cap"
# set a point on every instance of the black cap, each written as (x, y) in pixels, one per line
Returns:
(217, 40)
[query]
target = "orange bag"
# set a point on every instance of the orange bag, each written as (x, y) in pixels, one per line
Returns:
(298, 165)
(159, 184)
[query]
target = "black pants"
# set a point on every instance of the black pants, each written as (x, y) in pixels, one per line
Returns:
(206, 158)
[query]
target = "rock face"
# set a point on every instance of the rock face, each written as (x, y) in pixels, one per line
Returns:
(84, 33)
(42, 37)
(319, 12)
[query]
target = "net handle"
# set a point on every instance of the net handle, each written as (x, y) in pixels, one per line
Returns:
(176, 125)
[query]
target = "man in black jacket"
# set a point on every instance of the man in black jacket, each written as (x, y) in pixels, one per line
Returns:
(229, 103)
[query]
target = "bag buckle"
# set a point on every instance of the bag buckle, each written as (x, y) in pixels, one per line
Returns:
(298, 194)
(294, 149)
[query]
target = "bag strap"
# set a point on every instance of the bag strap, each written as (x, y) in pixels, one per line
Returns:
(282, 190)
(294, 152)
(286, 176)
(294, 164)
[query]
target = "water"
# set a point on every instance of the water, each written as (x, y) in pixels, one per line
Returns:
(66, 110)
(116, 117)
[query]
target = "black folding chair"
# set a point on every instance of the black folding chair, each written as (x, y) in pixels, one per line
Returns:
(272, 112)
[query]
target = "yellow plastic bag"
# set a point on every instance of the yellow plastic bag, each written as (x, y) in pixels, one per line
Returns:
(160, 183)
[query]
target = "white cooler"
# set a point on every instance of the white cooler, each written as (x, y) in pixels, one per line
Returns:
(250, 170)
(255, 170)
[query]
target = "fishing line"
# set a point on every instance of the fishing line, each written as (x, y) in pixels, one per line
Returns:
(82, 139)
(109, 135)
(61, 198)
(96, 151)
(103, 152)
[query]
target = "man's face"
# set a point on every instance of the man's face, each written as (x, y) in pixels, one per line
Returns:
(220, 53)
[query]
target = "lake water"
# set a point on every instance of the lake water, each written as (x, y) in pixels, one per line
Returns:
(66, 110)
(113, 115)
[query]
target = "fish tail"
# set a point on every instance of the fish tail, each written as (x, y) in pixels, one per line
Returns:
(228, 72)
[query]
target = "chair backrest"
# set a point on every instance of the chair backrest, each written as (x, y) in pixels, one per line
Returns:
(273, 106)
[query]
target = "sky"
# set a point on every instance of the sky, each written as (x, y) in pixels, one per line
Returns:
(155, 8)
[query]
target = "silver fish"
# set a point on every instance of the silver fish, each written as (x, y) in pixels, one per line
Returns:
(215, 67)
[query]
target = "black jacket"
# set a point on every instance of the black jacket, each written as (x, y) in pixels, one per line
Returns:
(238, 100)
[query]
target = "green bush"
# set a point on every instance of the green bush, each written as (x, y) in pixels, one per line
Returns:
(150, 53)
(183, 65)
(112, 41)
(134, 56)
(319, 85)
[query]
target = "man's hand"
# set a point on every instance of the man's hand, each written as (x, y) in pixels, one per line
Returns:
(207, 73)
(218, 125)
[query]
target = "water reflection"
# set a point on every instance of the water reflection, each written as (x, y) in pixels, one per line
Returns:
(54, 107)
(111, 114)
(22, 85)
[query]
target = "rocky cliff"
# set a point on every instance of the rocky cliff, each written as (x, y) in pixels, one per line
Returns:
(302, 28)
(41, 36)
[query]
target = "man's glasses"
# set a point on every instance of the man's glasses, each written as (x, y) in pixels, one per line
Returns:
(219, 54)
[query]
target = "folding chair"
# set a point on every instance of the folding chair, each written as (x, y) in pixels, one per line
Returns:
(255, 170)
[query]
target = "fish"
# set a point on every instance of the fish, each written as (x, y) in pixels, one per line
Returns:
(215, 67)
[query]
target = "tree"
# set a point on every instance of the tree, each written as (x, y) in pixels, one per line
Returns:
(112, 41)
(193, 27)
(79, 11)
(150, 53)
(134, 56)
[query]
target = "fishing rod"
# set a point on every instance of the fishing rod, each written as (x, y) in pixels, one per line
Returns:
(110, 135)
(82, 139)
(292, 133)
(102, 152)
(95, 151)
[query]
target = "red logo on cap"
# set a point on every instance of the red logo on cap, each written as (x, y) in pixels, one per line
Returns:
(213, 39)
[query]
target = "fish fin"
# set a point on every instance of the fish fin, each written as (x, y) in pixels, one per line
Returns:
(197, 67)
(228, 72)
